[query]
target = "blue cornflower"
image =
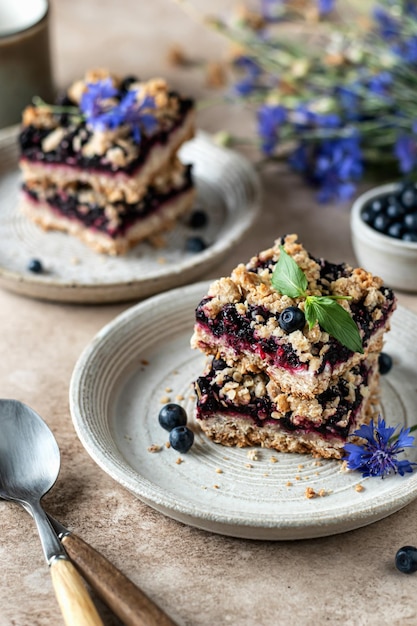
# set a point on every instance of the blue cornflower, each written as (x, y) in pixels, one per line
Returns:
(91, 103)
(405, 150)
(325, 6)
(101, 112)
(380, 83)
(270, 119)
(338, 162)
(378, 455)
(407, 50)
(252, 72)
(389, 28)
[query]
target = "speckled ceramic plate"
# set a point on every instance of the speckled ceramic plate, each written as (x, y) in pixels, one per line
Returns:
(227, 189)
(143, 358)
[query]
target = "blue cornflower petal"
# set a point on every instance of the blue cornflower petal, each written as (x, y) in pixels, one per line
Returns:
(405, 150)
(270, 119)
(378, 455)
(325, 6)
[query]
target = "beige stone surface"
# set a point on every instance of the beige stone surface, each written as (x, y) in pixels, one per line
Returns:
(200, 579)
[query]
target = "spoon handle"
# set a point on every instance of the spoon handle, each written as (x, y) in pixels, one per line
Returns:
(120, 594)
(76, 605)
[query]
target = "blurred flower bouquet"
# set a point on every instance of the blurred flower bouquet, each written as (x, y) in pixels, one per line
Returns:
(334, 90)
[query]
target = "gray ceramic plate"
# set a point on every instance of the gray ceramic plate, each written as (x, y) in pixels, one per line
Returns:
(143, 358)
(227, 189)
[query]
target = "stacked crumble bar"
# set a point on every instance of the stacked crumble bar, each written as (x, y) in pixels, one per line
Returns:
(301, 391)
(107, 185)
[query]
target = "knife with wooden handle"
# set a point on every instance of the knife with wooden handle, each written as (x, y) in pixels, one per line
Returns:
(121, 595)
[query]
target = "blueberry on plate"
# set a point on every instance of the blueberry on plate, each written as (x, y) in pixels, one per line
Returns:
(195, 244)
(292, 318)
(181, 438)
(198, 219)
(172, 415)
(35, 266)
(384, 363)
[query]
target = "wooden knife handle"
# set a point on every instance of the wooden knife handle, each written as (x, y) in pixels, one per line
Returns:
(129, 603)
(76, 605)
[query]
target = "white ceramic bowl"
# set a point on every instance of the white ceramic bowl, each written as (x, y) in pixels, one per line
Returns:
(394, 260)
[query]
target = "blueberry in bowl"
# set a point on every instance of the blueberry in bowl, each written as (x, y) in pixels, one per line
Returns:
(384, 233)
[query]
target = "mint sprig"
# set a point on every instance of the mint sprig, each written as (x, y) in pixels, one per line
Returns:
(289, 279)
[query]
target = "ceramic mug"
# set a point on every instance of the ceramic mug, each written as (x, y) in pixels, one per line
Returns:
(25, 58)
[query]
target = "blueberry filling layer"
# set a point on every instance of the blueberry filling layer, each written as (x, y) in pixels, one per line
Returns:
(93, 216)
(210, 401)
(238, 332)
(31, 138)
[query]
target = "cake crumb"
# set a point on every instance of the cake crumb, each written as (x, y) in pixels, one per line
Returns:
(144, 362)
(165, 399)
(300, 466)
(216, 487)
(179, 461)
(225, 458)
(298, 478)
(310, 493)
(359, 488)
(168, 389)
(249, 465)
(167, 444)
(344, 467)
(252, 455)
(288, 483)
(161, 260)
(219, 470)
(192, 398)
(216, 76)
(323, 493)
(265, 474)
(273, 459)
(176, 56)
(317, 463)
(179, 397)
(75, 260)
(154, 448)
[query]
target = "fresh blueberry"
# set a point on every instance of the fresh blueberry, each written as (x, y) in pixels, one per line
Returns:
(408, 197)
(127, 81)
(218, 364)
(181, 438)
(198, 219)
(396, 229)
(410, 220)
(384, 363)
(409, 236)
(381, 222)
(171, 416)
(195, 244)
(406, 559)
(376, 206)
(292, 318)
(395, 210)
(35, 266)
(368, 216)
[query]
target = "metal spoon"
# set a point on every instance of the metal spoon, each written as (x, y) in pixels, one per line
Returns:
(126, 600)
(29, 466)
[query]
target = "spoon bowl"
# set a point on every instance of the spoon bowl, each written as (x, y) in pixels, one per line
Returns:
(29, 467)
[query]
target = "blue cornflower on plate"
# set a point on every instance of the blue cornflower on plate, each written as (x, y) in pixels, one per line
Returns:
(270, 120)
(91, 103)
(378, 455)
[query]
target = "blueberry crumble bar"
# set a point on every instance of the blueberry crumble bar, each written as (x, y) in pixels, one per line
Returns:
(239, 408)
(114, 142)
(274, 376)
(239, 320)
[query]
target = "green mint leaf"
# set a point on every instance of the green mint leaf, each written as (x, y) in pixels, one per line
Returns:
(287, 278)
(335, 320)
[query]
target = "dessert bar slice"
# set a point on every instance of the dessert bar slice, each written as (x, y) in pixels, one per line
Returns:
(239, 320)
(110, 227)
(237, 408)
(112, 134)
